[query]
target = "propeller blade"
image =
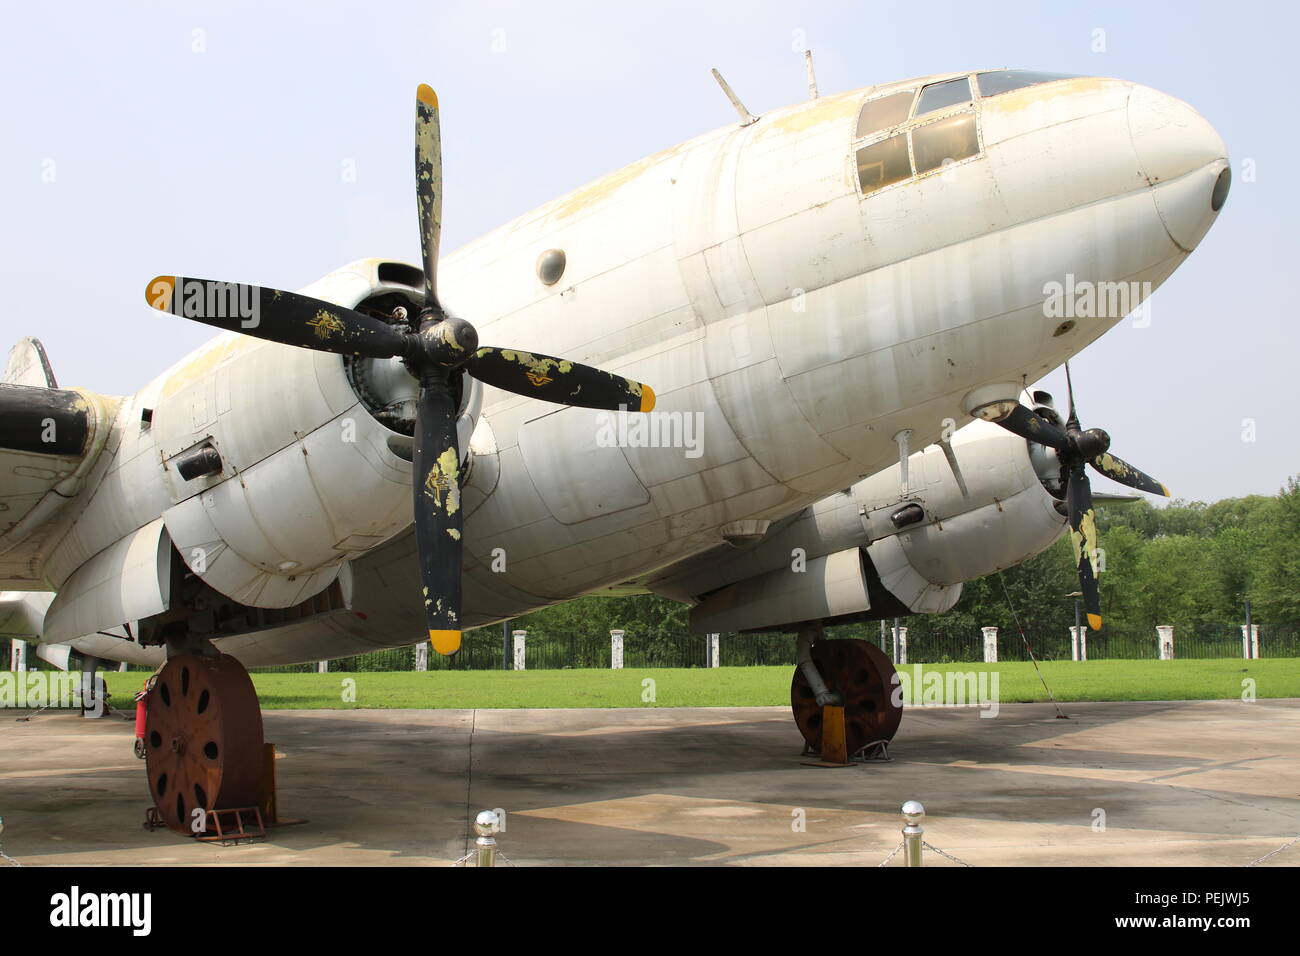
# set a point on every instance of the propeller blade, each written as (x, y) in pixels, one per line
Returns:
(284, 317)
(1117, 469)
(1083, 536)
(1027, 423)
(558, 380)
(428, 184)
(1072, 422)
(438, 516)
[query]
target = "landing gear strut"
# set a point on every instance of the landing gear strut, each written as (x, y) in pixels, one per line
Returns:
(202, 740)
(862, 677)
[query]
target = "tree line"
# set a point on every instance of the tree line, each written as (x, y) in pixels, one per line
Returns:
(1189, 564)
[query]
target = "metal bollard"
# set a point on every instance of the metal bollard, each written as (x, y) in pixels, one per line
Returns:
(486, 824)
(913, 814)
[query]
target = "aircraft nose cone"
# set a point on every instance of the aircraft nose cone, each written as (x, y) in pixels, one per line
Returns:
(1184, 160)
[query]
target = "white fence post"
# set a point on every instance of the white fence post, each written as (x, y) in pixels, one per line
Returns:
(519, 649)
(1165, 634)
(902, 645)
(17, 655)
(715, 650)
(322, 667)
(990, 645)
(616, 650)
(1250, 641)
(1078, 643)
(422, 656)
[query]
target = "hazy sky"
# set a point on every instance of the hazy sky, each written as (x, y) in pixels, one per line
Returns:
(211, 138)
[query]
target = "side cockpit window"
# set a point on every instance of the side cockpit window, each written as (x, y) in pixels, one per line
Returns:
(884, 112)
(883, 163)
(886, 155)
(937, 96)
(1004, 81)
(945, 141)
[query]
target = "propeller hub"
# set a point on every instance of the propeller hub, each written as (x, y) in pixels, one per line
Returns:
(445, 343)
(1092, 443)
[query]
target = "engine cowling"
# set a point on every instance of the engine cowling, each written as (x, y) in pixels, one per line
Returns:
(879, 550)
(285, 463)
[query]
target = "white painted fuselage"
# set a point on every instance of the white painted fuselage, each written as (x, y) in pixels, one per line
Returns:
(793, 323)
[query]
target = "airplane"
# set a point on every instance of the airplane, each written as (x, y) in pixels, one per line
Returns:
(848, 297)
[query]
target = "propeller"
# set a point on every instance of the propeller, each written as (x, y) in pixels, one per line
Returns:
(1076, 447)
(436, 347)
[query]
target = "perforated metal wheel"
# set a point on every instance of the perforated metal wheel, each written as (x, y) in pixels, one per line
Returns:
(864, 677)
(203, 738)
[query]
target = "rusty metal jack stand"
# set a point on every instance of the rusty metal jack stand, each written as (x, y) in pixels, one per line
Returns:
(834, 742)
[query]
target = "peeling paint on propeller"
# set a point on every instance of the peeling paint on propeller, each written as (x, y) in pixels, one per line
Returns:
(436, 346)
(1076, 447)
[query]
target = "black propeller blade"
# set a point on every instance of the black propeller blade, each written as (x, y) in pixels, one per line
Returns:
(558, 380)
(436, 347)
(284, 317)
(1029, 424)
(1076, 447)
(1117, 469)
(428, 184)
(438, 518)
(1083, 536)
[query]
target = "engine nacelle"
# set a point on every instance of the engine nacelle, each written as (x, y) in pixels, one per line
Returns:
(283, 463)
(1004, 515)
(880, 550)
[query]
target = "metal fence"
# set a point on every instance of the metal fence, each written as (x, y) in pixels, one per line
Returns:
(1116, 644)
(483, 649)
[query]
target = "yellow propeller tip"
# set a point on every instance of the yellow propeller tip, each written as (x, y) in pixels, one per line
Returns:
(1094, 622)
(424, 93)
(647, 399)
(1164, 489)
(445, 642)
(158, 293)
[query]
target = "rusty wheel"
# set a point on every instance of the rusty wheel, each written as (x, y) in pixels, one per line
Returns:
(203, 738)
(861, 674)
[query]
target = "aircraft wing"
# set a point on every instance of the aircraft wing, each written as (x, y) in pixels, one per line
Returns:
(49, 440)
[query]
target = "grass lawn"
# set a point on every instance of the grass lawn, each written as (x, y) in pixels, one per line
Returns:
(746, 686)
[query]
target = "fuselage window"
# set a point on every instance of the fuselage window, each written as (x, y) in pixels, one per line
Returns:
(883, 163)
(946, 140)
(884, 112)
(938, 95)
(1004, 81)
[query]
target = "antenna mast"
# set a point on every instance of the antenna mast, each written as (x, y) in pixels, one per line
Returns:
(746, 117)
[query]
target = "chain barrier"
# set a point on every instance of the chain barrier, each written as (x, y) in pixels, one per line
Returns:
(946, 856)
(486, 852)
(465, 860)
(1274, 853)
(913, 814)
(893, 853)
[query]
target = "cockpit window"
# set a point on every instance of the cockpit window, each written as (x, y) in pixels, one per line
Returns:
(1004, 81)
(883, 163)
(938, 95)
(945, 141)
(884, 112)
